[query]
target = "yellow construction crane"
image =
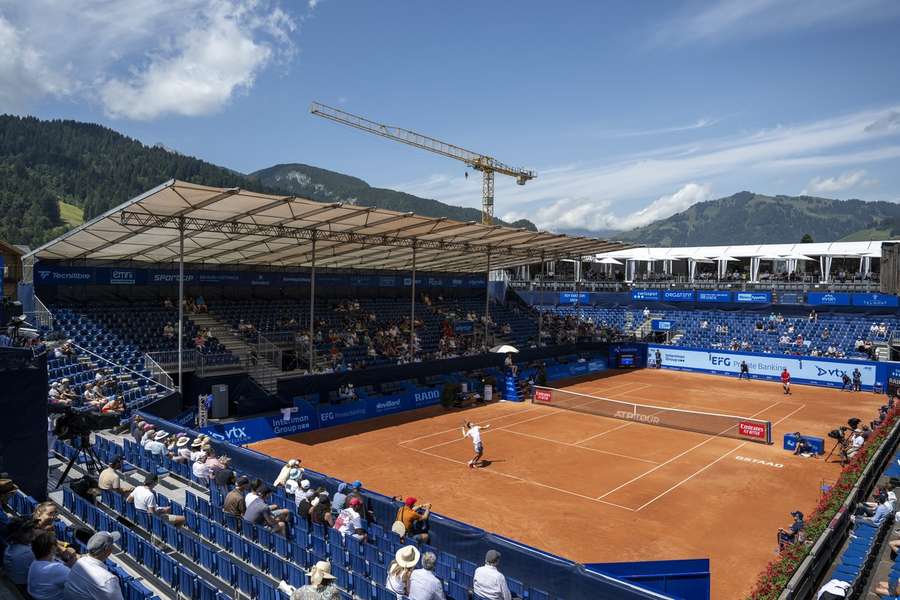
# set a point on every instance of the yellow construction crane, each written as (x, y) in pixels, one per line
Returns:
(480, 162)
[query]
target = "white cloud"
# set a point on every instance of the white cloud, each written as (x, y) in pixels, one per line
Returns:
(24, 72)
(142, 59)
(579, 195)
(728, 20)
(698, 124)
(596, 215)
(313, 4)
(831, 185)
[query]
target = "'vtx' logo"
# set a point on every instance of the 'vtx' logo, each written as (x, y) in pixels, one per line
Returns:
(832, 372)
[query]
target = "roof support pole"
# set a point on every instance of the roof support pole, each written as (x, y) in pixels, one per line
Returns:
(412, 309)
(180, 302)
(540, 312)
(312, 309)
(487, 298)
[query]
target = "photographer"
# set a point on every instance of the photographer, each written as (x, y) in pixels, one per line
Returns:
(802, 448)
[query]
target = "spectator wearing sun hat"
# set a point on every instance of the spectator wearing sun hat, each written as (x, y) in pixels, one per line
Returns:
(284, 474)
(89, 579)
(196, 448)
(400, 570)
(182, 453)
(321, 584)
(156, 446)
(292, 484)
(340, 498)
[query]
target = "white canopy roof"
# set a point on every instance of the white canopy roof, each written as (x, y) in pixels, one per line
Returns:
(833, 249)
(235, 226)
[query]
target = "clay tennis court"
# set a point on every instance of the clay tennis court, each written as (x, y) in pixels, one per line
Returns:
(597, 489)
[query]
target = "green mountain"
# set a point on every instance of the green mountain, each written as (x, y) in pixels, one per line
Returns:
(55, 173)
(328, 186)
(748, 218)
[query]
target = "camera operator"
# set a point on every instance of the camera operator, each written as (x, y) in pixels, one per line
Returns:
(856, 441)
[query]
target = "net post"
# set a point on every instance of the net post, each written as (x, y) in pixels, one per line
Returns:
(768, 432)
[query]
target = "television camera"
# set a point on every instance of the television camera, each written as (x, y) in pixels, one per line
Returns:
(76, 426)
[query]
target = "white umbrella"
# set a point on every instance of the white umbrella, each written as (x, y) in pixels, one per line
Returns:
(797, 257)
(728, 258)
(609, 261)
(504, 349)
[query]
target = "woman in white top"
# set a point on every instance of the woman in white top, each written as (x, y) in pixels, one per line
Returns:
(400, 570)
(47, 575)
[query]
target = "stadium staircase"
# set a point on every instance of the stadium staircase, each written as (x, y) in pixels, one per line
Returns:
(261, 370)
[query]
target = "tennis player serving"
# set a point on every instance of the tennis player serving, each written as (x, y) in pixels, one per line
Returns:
(474, 431)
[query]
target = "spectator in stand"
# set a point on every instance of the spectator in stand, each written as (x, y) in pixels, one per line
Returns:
(110, 479)
(833, 590)
(340, 498)
(400, 570)
(350, 520)
(414, 524)
(259, 512)
(89, 578)
(197, 448)
(224, 478)
(234, 503)
(7, 489)
(18, 557)
(321, 512)
(182, 450)
(144, 499)
(47, 576)
(155, 446)
(423, 584)
(321, 584)
(292, 485)
(200, 305)
(168, 331)
(282, 478)
(199, 468)
(215, 463)
(489, 583)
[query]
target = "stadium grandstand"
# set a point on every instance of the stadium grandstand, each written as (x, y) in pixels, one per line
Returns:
(197, 343)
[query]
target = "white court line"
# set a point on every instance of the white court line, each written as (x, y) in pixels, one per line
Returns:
(738, 447)
(537, 437)
(517, 478)
(676, 457)
(428, 435)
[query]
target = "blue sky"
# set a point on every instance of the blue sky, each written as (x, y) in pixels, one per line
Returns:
(628, 111)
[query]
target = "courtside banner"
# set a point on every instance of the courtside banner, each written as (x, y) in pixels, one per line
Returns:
(812, 371)
(753, 430)
(543, 396)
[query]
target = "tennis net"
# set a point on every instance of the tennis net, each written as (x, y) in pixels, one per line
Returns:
(742, 428)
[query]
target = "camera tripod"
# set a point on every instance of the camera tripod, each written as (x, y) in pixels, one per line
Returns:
(843, 453)
(85, 451)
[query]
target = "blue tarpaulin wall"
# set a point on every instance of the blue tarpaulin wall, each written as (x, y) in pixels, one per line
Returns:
(23, 426)
(688, 579)
(558, 576)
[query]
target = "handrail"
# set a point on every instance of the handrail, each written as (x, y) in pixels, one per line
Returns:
(115, 364)
(159, 374)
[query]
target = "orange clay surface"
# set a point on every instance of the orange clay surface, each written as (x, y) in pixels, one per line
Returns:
(595, 489)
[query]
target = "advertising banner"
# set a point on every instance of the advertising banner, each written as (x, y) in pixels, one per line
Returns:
(813, 371)
(661, 325)
(828, 298)
(875, 300)
(678, 296)
(63, 276)
(790, 298)
(574, 298)
(247, 431)
(646, 295)
(753, 297)
(713, 296)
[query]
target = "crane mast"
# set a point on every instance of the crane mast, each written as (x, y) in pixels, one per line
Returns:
(487, 165)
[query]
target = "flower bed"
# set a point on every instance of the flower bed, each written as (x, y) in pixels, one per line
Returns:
(779, 572)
